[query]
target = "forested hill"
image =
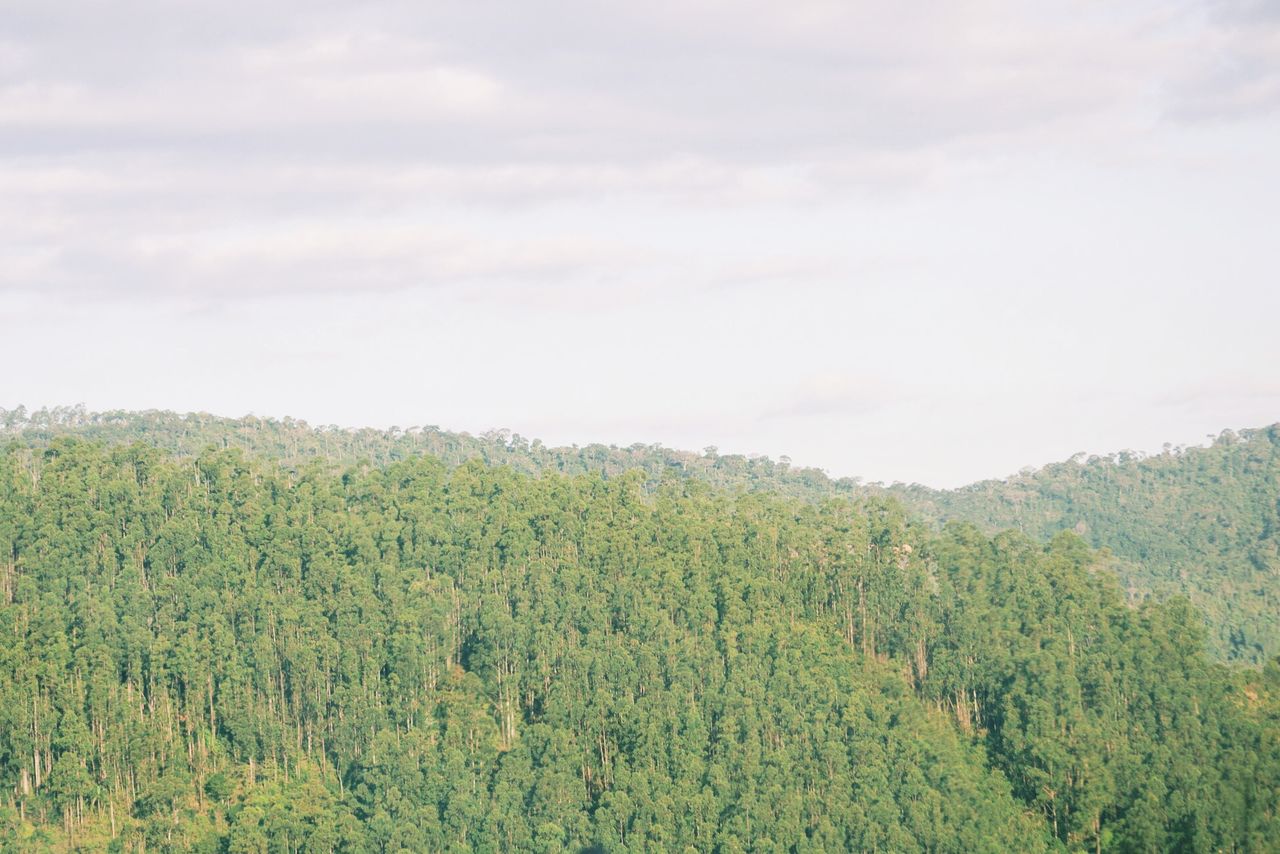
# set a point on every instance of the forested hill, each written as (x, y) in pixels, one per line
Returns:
(292, 443)
(1203, 522)
(1198, 522)
(218, 654)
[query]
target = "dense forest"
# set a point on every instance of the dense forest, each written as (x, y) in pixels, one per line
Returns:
(1199, 522)
(379, 647)
(292, 442)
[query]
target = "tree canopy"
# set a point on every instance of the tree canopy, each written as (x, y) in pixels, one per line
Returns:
(214, 652)
(1200, 523)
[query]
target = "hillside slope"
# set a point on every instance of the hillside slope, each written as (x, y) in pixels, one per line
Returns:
(213, 653)
(1198, 522)
(292, 442)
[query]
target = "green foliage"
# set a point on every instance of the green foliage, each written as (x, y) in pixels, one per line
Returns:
(294, 443)
(1203, 523)
(216, 653)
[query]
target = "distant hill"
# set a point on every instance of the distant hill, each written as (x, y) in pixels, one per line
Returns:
(292, 443)
(1202, 522)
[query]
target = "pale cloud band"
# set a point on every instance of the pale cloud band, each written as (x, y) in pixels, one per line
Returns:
(131, 124)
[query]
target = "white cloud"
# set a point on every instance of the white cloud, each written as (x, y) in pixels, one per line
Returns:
(888, 239)
(1235, 73)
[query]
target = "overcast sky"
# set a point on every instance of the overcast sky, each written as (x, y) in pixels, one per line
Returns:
(907, 241)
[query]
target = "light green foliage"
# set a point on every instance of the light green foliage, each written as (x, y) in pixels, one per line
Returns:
(1203, 523)
(216, 653)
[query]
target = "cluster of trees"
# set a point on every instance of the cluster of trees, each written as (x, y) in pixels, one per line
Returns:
(217, 653)
(1203, 523)
(292, 442)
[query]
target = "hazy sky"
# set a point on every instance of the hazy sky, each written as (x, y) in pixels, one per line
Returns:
(906, 241)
